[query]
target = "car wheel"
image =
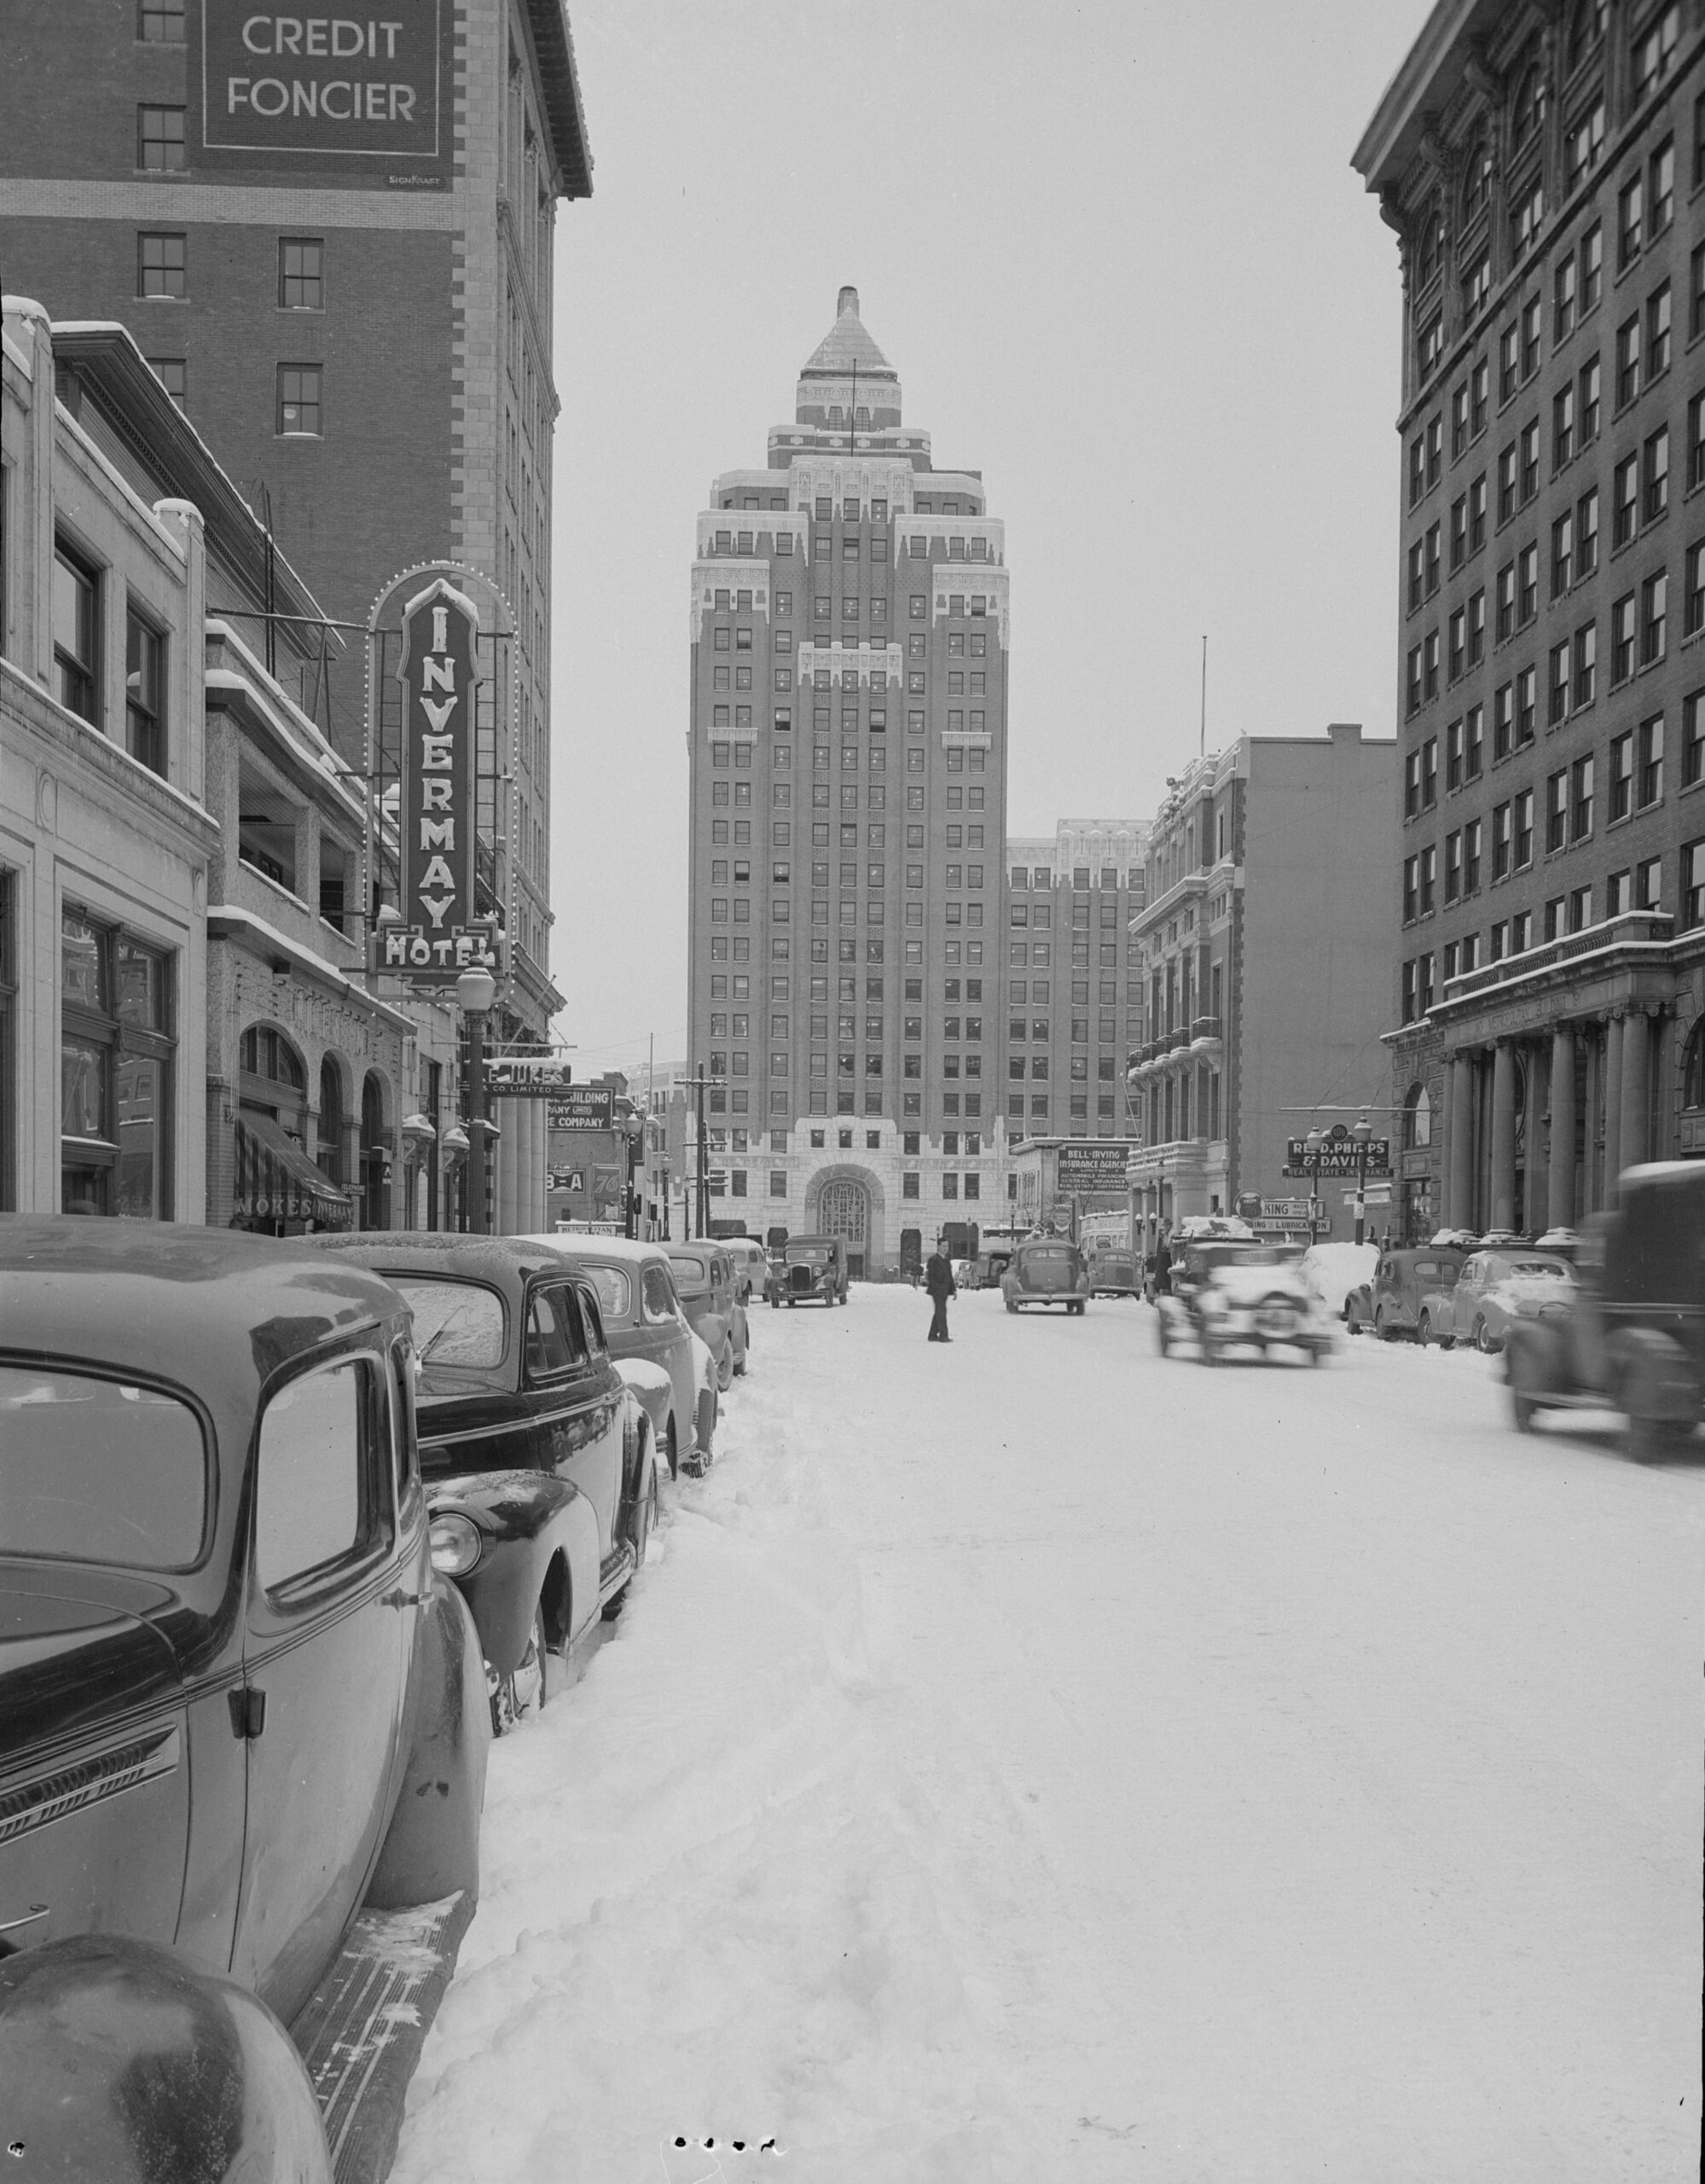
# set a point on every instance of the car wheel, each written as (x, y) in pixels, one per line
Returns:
(725, 1369)
(791, 1302)
(522, 1693)
(1381, 1326)
(1446, 1342)
(1424, 1331)
(1161, 1342)
(1011, 1306)
(1352, 1324)
(1210, 1350)
(1483, 1341)
(775, 1304)
(673, 1453)
(641, 1523)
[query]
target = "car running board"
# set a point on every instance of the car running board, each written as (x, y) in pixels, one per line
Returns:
(361, 2029)
(617, 1566)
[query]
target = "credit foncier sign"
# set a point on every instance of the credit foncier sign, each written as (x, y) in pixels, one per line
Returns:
(361, 86)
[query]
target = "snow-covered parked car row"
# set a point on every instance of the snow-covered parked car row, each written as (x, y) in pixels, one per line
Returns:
(290, 1527)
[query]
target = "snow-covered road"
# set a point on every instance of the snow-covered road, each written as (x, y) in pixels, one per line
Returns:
(1049, 1762)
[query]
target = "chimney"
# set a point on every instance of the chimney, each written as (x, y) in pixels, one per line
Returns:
(848, 302)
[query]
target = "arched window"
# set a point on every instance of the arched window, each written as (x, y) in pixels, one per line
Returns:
(1429, 243)
(266, 1053)
(1417, 1118)
(375, 1156)
(1528, 115)
(1586, 30)
(1693, 1073)
(331, 1121)
(1476, 181)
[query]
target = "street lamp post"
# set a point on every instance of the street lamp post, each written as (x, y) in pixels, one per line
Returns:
(475, 991)
(634, 1126)
(1360, 1132)
(1315, 1146)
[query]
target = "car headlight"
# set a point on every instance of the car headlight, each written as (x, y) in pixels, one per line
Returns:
(457, 1544)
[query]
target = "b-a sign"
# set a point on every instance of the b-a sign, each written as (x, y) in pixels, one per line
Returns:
(439, 669)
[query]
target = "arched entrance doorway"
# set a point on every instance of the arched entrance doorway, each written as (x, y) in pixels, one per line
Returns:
(844, 1210)
(375, 1157)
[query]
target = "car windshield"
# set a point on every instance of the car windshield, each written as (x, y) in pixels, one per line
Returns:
(99, 1471)
(615, 1291)
(691, 1276)
(1534, 1270)
(808, 1254)
(455, 1322)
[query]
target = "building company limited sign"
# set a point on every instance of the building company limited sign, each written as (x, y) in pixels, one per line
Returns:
(362, 87)
(436, 936)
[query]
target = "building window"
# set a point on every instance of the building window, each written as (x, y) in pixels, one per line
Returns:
(161, 22)
(115, 1072)
(160, 139)
(1654, 616)
(301, 273)
(1627, 361)
(173, 374)
(162, 265)
(1581, 800)
(144, 692)
(299, 402)
(1621, 775)
(77, 634)
(1654, 49)
(1650, 779)
(1655, 473)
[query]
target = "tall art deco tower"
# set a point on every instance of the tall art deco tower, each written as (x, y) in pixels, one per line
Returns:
(848, 743)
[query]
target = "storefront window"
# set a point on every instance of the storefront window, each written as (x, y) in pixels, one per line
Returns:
(116, 1053)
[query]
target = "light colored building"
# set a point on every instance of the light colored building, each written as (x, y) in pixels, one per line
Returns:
(1541, 169)
(186, 1032)
(848, 762)
(1262, 946)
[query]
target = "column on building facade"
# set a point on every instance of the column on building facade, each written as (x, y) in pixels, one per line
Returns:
(1590, 1199)
(1613, 1105)
(1461, 1210)
(1503, 1191)
(1535, 1169)
(1560, 1179)
(1636, 1030)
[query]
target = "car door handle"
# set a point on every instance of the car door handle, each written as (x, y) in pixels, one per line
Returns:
(248, 1712)
(400, 1599)
(35, 1912)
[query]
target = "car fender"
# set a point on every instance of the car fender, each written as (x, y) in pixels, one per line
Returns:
(1654, 1376)
(123, 2060)
(432, 1848)
(1536, 1358)
(526, 1520)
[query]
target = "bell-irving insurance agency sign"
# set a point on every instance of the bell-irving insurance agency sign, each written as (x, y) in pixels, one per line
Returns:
(325, 89)
(438, 669)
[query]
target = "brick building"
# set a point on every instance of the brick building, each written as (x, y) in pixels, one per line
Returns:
(1543, 171)
(848, 765)
(1261, 940)
(332, 239)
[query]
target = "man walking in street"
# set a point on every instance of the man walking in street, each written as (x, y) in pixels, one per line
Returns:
(939, 1282)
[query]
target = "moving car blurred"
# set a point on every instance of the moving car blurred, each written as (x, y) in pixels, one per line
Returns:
(1633, 1335)
(539, 1466)
(705, 1284)
(1115, 1274)
(1231, 1292)
(1045, 1271)
(643, 1320)
(227, 1679)
(1493, 1288)
(809, 1270)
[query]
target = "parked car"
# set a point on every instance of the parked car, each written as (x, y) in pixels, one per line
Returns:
(809, 1270)
(1115, 1274)
(1632, 1336)
(1406, 1275)
(539, 1464)
(707, 1286)
(643, 1320)
(991, 1263)
(228, 1681)
(1518, 1282)
(751, 1264)
(1230, 1293)
(1045, 1271)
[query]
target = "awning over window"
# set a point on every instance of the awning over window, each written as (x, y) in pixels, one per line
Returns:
(277, 1182)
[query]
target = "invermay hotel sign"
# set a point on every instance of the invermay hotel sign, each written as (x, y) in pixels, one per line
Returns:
(320, 90)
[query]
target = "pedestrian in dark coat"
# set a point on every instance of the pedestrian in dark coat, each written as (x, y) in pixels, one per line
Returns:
(1163, 1269)
(939, 1282)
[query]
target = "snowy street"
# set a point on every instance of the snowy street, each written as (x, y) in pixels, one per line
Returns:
(1054, 1762)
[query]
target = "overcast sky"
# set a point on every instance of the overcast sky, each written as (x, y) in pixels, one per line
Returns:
(1119, 258)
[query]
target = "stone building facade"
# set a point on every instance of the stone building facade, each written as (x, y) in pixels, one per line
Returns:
(1542, 169)
(1262, 944)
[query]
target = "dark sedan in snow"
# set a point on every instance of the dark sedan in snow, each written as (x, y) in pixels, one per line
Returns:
(1047, 1271)
(227, 1675)
(809, 1270)
(539, 1464)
